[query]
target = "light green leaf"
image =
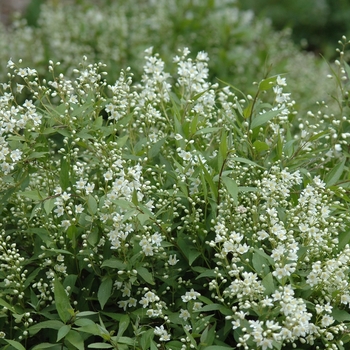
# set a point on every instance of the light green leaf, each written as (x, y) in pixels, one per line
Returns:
(35, 195)
(50, 324)
(64, 174)
(75, 339)
(260, 146)
(49, 205)
(146, 338)
(335, 174)
(208, 336)
(62, 332)
(122, 140)
(261, 119)
(231, 187)
(63, 307)
(155, 148)
(104, 291)
(7, 305)
(100, 346)
(268, 283)
(49, 346)
(123, 325)
(207, 130)
(246, 161)
(267, 84)
(15, 344)
(92, 205)
(90, 329)
(340, 315)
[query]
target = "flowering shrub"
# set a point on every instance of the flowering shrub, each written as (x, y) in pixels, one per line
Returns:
(173, 213)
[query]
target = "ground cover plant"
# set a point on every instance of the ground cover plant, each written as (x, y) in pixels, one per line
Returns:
(171, 212)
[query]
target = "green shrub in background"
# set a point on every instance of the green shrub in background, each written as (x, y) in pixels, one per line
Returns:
(170, 213)
(316, 24)
(242, 48)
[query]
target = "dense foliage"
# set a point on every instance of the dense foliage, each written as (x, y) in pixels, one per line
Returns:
(242, 49)
(316, 24)
(170, 211)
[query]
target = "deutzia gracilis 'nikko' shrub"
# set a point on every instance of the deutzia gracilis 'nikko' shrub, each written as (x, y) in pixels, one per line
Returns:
(172, 213)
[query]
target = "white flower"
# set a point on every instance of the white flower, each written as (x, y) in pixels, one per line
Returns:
(184, 314)
(65, 224)
(172, 260)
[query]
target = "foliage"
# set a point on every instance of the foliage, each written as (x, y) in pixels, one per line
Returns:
(316, 23)
(170, 213)
(243, 49)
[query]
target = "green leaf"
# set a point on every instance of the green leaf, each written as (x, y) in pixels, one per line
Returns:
(260, 146)
(122, 140)
(100, 346)
(267, 84)
(123, 325)
(15, 344)
(35, 195)
(63, 307)
(104, 291)
(114, 264)
(50, 324)
(340, 315)
(246, 161)
(145, 274)
(92, 205)
(75, 339)
(260, 263)
(261, 119)
(208, 336)
(64, 174)
(217, 347)
(267, 282)
(155, 148)
(49, 205)
(222, 150)
(90, 329)
(216, 307)
(335, 174)
(146, 339)
(207, 130)
(49, 346)
(7, 305)
(231, 187)
(62, 332)
(36, 155)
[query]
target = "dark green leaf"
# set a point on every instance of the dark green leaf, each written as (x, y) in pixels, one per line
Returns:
(114, 264)
(145, 274)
